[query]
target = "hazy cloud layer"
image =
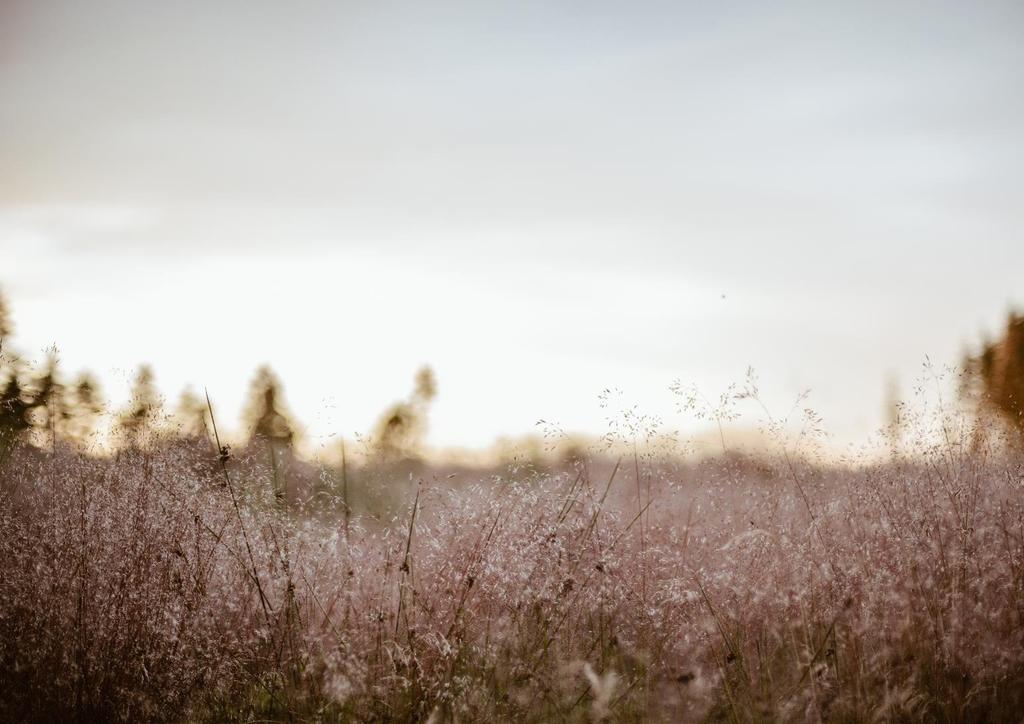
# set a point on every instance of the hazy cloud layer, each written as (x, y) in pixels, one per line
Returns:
(578, 184)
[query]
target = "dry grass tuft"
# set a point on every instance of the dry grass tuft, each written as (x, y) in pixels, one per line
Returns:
(150, 586)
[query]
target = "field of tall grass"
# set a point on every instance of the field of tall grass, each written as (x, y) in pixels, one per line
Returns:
(167, 583)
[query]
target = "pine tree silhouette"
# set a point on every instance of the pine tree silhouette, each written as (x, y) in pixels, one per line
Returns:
(999, 372)
(138, 420)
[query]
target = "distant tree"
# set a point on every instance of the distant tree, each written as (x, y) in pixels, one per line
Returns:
(83, 406)
(402, 428)
(997, 374)
(270, 426)
(26, 402)
(48, 408)
(426, 387)
(6, 323)
(266, 416)
(191, 415)
(15, 409)
(30, 406)
(138, 420)
(39, 405)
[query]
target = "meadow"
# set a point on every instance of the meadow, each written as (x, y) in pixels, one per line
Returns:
(242, 235)
(169, 583)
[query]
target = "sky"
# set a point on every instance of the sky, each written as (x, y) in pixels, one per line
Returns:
(541, 200)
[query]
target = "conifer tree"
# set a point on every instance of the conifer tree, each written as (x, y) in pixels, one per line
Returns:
(191, 414)
(6, 324)
(998, 373)
(14, 410)
(138, 421)
(48, 402)
(266, 415)
(84, 405)
(15, 407)
(403, 426)
(270, 426)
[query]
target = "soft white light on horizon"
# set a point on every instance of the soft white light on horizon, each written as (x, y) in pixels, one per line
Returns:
(539, 200)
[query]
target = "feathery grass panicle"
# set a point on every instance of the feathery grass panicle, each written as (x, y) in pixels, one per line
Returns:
(168, 583)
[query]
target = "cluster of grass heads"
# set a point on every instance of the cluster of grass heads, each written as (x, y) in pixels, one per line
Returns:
(165, 584)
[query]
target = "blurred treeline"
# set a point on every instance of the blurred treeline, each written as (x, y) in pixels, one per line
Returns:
(44, 410)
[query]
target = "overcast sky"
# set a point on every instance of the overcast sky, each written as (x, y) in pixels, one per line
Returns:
(540, 199)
